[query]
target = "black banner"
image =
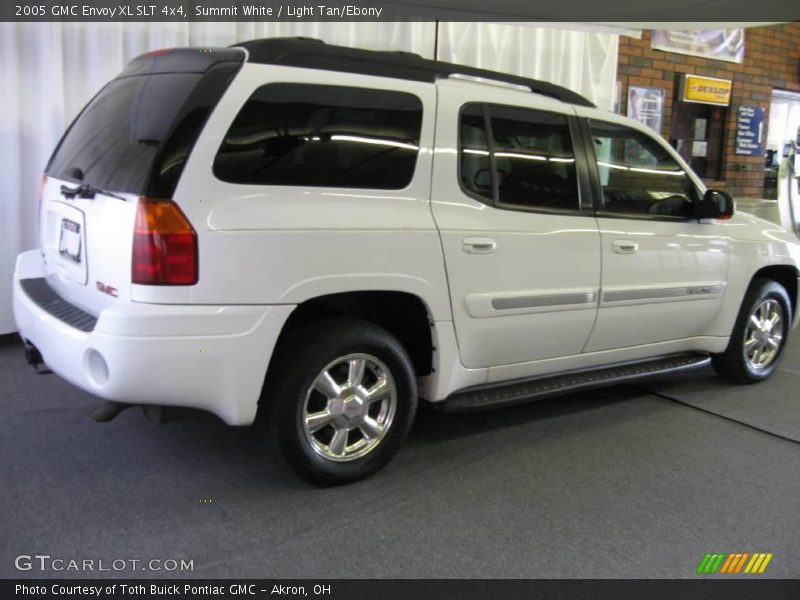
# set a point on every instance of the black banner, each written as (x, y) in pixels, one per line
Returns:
(399, 589)
(618, 11)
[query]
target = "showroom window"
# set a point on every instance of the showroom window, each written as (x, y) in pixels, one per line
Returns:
(638, 176)
(517, 157)
(323, 135)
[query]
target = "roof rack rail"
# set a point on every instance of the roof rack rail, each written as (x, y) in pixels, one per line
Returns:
(485, 81)
(312, 53)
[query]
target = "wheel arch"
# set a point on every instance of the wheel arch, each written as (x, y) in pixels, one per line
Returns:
(755, 349)
(404, 315)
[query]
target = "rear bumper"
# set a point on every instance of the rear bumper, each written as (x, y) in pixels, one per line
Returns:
(208, 357)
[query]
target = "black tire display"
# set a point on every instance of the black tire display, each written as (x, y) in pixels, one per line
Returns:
(759, 335)
(343, 396)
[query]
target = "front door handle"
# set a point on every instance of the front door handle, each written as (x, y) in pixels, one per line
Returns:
(625, 246)
(478, 245)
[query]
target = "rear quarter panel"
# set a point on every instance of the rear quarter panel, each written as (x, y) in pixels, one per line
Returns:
(283, 245)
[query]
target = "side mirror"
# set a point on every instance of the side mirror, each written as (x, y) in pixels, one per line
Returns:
(715, 204)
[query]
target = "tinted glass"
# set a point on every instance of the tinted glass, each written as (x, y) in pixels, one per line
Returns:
(639, 176)
(535, 161)
(475, 168)
(136, 134)
(534, 164)
(315, 135)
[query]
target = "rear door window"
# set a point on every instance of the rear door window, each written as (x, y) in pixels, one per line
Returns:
(324, 136)
(518, 157)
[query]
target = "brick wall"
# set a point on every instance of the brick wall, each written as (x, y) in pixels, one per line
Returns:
(771, 61)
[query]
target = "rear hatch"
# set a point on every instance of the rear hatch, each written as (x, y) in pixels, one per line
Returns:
(131, 141)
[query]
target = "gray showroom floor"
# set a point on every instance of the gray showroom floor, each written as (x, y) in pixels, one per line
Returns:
(617, 483)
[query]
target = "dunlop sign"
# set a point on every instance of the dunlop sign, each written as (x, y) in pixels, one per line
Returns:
(706, 90)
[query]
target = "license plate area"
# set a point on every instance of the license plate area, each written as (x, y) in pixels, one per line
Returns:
(69, 245)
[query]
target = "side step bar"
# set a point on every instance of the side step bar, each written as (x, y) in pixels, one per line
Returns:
(520, 391)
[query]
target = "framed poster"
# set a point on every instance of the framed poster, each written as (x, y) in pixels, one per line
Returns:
(718, 44)
(646, 105)
(749, 130)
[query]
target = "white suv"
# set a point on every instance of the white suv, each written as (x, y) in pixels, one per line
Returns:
(330, 234)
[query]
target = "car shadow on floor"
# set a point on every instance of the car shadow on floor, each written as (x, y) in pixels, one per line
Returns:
(433, 424)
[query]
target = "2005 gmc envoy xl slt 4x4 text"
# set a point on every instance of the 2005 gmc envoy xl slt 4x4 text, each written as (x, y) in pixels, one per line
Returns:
(329, 234)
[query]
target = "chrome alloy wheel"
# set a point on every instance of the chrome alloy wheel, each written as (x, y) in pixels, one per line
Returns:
(764, 334)
(350, 407)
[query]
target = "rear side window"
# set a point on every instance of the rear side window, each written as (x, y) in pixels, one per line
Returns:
(518, 157)
(322, 135)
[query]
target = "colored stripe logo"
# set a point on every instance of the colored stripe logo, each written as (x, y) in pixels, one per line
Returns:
(734, 563)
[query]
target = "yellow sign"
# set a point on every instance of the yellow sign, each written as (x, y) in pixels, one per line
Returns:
(707, 90)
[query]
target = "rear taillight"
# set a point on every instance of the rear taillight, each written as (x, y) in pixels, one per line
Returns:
(164, 245)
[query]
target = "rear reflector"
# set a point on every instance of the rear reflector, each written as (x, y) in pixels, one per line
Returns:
(154, 53)
(164, 245)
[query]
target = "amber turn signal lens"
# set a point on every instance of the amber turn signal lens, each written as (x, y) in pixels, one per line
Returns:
(164, 245)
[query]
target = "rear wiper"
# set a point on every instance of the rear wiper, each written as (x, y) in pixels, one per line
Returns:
(86, 191)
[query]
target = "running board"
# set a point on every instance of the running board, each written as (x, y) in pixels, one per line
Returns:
(520, 391)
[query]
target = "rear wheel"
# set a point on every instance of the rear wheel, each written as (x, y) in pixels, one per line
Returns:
(343, 399)
(759, 336)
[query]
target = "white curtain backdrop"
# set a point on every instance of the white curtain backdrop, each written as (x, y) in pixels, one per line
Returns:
(585, 62)
(48, 71)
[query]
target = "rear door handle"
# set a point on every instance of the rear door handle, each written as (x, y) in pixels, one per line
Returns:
(625, 246)
(479, 245)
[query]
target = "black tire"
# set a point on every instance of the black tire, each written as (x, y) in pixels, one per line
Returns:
(303, 357)
(735, 364)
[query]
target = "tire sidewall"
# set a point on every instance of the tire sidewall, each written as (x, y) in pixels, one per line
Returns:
(302, 368)
(768, 290)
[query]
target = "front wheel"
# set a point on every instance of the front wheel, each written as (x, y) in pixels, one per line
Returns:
(759, 336)
(343, 400)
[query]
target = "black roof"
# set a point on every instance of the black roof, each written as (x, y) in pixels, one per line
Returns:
(316, 54)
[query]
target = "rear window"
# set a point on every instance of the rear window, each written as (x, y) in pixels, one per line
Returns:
(322, 135)
(137, 133)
